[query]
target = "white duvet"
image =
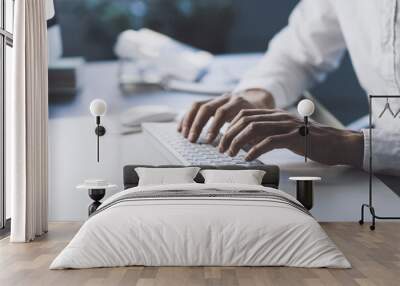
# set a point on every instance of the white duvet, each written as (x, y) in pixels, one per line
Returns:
(200, 231)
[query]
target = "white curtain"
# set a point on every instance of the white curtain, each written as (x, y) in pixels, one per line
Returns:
(26, 117)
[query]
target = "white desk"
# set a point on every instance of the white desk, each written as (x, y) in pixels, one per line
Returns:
(337, 197)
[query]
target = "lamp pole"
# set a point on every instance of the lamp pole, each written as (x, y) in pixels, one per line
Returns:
(305, 138)
(98, 108)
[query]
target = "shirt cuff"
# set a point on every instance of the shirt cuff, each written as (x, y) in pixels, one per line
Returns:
(385, 152)
(366, 149)
(281, 98)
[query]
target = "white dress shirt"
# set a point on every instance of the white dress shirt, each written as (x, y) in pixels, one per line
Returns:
(313, 44)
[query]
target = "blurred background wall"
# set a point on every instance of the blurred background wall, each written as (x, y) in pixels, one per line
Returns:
(90, 27)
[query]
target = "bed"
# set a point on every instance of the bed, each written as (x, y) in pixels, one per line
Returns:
(199, 224)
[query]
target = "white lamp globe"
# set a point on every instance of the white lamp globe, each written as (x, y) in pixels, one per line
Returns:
(98, 107)
(305, 107)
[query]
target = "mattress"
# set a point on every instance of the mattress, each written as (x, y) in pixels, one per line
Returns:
(201, 225)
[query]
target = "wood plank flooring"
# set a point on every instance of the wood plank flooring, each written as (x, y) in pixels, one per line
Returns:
(375, 257)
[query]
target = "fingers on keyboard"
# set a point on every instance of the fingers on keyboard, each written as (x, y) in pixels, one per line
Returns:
(195, 154)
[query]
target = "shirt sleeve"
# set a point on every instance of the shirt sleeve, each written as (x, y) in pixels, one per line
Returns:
(385, 151)
(300, 55)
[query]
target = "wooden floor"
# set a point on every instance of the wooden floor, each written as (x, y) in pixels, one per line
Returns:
(375, 257)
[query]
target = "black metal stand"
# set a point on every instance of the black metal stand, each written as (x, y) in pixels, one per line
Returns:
(369, 205)
(374, 216)
(96, 195)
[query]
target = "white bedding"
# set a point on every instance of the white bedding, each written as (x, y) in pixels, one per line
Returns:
(200, 231)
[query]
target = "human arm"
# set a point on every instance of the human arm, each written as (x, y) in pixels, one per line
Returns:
(386, 151)
(267, 129)
(300, 55)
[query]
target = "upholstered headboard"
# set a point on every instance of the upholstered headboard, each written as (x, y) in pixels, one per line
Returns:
(271, 177)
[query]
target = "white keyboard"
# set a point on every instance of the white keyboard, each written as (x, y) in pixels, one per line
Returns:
(188, 153)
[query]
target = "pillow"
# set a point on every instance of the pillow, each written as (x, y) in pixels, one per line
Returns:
(248, 177)
(165, 176)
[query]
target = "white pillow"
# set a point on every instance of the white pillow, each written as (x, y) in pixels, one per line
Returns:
(248, 177)
(165, 176)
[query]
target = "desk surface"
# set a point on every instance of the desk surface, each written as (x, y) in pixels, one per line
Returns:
(73, 155)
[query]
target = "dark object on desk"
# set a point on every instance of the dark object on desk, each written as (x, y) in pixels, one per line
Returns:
(270, 179)
(96, 195)
(370, 203)
(65, 78)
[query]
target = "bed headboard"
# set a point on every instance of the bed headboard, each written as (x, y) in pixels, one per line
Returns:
(271, 177)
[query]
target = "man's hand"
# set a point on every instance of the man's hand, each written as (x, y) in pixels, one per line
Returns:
(268, 129)
(223, 109)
